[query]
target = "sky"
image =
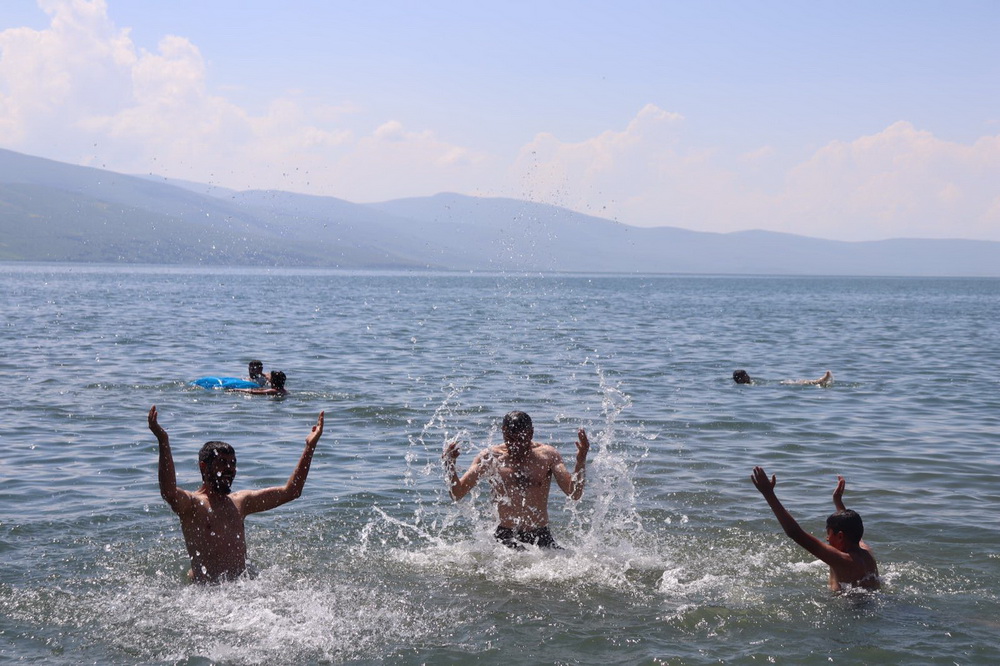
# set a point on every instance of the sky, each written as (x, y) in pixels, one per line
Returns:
(851, 120)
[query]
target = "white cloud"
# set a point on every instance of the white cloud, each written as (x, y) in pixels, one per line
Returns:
(901, 182)
(642, 175)
(81, 91)
(48, 78)
(393, 162)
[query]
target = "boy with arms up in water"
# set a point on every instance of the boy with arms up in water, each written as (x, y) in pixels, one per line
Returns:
(520, 472)
(851, 561)
(212, 516)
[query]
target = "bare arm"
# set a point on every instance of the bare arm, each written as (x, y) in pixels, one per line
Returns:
(460, 487)
(269, 498)
(179, 500)
(572, 484)
(838, 494)
(838, 503)
(819, 549)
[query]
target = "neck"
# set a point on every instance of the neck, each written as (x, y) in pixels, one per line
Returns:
(212, 493)
(518, 449)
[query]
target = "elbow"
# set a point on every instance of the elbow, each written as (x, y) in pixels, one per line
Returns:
(292, 491)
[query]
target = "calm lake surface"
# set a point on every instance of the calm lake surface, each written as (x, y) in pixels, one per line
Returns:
(672, 557)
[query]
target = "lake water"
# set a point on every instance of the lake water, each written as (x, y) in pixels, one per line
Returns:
(672, 557)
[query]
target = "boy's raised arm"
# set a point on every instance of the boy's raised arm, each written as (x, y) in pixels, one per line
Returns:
(838, 503)
(459, 487)
(169, 491)
(822, 551)
(269, 498)
(838, 494)
(573, 484)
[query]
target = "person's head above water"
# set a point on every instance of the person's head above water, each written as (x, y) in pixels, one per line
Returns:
(217, 462)
(847, 522)
(278, 379)
(741, 377)
(517, 429)
(256, 368)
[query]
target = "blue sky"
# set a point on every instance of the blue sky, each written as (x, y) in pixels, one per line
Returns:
(848, 120)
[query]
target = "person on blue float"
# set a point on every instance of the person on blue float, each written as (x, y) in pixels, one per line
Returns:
(212, 517)
(277, 380)
(850, 559)
(520, 472)
(257, 374)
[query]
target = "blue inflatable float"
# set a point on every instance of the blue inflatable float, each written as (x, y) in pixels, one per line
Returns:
(224, 383)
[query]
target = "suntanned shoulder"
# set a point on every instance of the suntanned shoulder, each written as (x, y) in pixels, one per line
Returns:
(552, 454)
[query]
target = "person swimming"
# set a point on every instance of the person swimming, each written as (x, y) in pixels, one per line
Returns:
(257, 374)
(277, 380)
(742, 377)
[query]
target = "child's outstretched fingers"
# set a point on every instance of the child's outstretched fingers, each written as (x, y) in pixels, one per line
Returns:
(316, 432)
(450, 452)
(760, 480)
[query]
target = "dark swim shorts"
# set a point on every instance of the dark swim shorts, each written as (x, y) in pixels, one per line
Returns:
(513, 538)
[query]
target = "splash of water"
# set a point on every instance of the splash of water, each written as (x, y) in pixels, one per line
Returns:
(603, 536)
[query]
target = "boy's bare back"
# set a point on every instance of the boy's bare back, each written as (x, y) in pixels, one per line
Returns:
(860, 570)
(214, 533)
(212, 517)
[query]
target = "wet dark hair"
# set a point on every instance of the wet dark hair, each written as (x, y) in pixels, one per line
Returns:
(256, 364)
(848, 522)
(741, 377)
(211, 449)
(517, 423)
(277, 379)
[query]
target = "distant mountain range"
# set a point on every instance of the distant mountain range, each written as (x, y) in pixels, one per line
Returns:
(51, 211)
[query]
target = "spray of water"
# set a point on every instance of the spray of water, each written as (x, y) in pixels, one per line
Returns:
(605, 544)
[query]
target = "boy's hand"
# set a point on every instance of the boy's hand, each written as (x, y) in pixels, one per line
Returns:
(450, 453)
(838, 494)
(582, 444)
(154, 425)
(761, 482)
(317, 431)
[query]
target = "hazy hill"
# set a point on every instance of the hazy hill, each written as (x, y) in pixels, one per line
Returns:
(50, 211)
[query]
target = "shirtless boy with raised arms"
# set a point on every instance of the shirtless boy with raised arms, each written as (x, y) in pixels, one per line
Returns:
(520, 472)
(851, 561)
(212, 516)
